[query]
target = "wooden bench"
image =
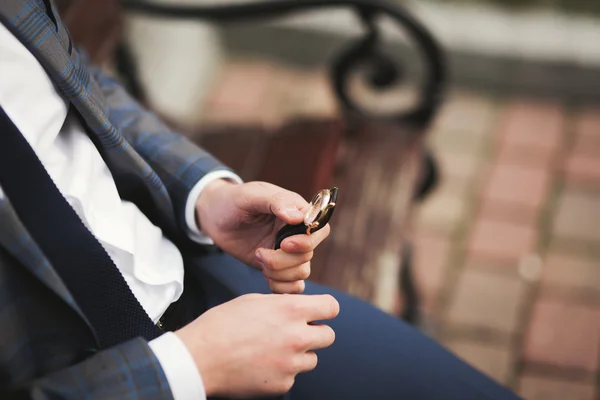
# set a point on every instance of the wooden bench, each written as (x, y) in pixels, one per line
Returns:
(377, 172)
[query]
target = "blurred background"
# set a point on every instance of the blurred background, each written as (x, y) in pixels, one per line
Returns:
(476, 219)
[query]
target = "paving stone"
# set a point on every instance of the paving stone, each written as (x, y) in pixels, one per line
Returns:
(527, 156)
(587, 123)
(306, 94)
(468, 113)
(572, 271)
(532, 125)
(583, 168)
(487, 299)
(431, 257)
(500, 241)
(586, 142)
(509, 212)
(458, 166)
(578, 216)
(520, 185)
(586, 146)
(446, 208)
(533, 387)
(571, 294)
(240, 92)
(443, 212)
(457, 142)
(494, 361)
(563, 335)
(269, 95)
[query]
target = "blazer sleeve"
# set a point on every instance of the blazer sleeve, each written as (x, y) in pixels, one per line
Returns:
(129, 370)
(178, 162)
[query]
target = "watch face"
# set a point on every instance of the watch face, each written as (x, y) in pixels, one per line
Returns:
(318, 204)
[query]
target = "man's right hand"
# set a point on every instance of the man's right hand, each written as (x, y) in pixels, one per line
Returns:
(256, 344)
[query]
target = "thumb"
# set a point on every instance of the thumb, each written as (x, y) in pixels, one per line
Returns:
(265, 198)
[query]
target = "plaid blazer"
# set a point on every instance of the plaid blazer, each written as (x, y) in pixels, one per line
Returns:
(47, 348)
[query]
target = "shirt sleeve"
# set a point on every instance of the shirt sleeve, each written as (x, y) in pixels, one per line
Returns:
(193, 230)
(179, 367)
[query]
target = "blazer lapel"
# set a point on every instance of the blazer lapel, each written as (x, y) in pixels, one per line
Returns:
(61, 30)
(15, 238)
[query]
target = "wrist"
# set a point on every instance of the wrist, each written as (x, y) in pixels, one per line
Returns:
(203, 204)
(202, 357)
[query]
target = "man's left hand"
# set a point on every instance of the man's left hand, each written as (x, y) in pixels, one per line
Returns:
(243, 219)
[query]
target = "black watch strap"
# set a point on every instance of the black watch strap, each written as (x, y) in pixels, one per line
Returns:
(287, 231)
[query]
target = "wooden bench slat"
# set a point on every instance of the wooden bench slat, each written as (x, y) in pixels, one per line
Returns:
(376, 184)
(299, 156)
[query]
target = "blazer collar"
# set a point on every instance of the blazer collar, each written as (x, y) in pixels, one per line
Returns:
(51, 44)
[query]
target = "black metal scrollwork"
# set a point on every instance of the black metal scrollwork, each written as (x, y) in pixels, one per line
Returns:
(365, 51)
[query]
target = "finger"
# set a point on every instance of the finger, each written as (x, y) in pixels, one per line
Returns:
(286, 287)
(322, 336)
(265, 198)
(308, 361)
(305, 243)
(298, 273)
(315, 307)
(278, 260)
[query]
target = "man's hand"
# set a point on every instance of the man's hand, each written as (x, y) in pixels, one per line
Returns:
(256, 344)
(243, 220)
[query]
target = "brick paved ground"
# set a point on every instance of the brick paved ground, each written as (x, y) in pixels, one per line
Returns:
(517, 290)
(508, 246)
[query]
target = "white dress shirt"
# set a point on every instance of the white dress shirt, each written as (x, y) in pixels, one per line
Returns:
(151, 265)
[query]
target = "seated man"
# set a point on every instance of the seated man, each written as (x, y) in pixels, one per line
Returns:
(105, 289)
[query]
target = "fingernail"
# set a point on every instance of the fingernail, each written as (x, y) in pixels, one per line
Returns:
(294, 213)
(259, 259)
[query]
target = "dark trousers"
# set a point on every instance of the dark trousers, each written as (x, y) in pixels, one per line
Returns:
(375, 355)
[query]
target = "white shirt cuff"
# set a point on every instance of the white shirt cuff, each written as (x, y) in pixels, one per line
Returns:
(179, 367)
(194, 232)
